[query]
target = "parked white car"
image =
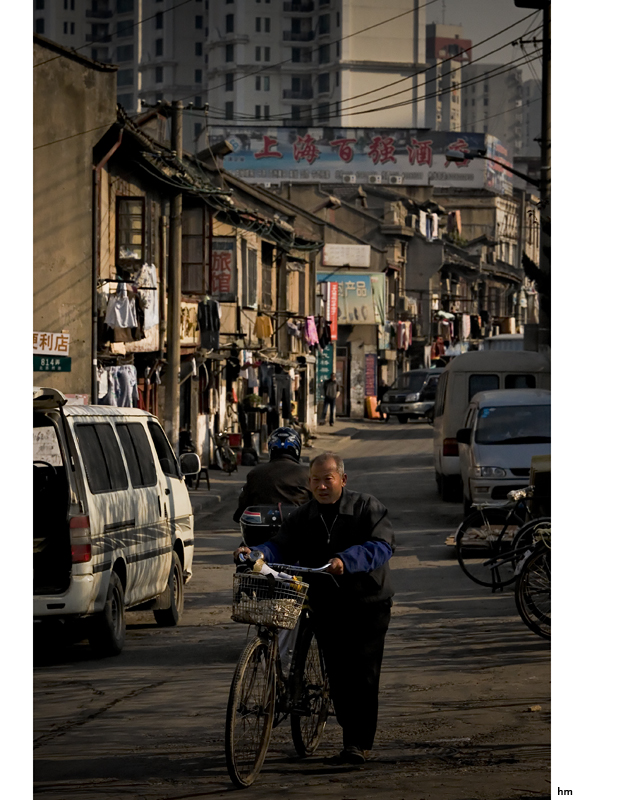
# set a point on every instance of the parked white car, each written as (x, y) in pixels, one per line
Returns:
(113, 526)
(502, 431)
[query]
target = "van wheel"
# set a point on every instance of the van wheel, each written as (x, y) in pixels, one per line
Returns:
(108, 628)
(403, 418)
(169, 617)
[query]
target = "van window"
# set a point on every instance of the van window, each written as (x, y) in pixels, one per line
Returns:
(510, 424)
(441, 391)
(164, 451)
(102, 458)
(139, 456)
(520, 382)
(482, 383)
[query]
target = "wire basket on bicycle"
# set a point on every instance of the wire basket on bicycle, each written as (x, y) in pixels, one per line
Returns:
(266, 600)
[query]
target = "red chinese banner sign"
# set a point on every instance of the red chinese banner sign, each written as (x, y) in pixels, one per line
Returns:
(333, 310)
(223, 269)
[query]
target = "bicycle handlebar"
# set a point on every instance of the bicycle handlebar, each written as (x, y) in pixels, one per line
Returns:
(286, 567)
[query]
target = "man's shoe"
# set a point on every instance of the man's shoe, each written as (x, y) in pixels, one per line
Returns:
(350, 755)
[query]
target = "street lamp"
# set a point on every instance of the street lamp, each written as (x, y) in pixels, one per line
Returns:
(460, 156)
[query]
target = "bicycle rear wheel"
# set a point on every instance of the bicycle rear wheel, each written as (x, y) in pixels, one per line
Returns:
(533, 592)
(310, 694)
(250, 713)
(482, 537)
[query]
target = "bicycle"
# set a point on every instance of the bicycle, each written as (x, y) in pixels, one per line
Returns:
(494, 538)
(533, 585)
(261, 695)
(224, 457)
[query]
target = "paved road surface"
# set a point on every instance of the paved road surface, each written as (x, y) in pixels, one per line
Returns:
(460, 674)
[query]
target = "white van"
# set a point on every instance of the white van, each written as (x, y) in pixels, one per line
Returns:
(465, 376)
(113, 526)
(503, 431)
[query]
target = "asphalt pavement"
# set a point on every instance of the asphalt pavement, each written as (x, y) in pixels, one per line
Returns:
(465, 697)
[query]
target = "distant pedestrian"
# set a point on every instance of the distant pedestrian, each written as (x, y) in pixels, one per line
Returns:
(438, 349)
(381, 391)
(330, 393)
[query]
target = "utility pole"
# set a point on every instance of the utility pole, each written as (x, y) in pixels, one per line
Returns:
(546, 182)
(174, 289)
(546, 159)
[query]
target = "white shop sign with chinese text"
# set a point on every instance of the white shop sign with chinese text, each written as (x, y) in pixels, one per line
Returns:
(353, 255)
(51, 344)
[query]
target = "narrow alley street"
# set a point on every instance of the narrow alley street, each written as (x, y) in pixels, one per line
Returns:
(465, 694)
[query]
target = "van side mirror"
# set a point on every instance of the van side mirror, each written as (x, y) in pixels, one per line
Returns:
(464, 436)
(190, 464)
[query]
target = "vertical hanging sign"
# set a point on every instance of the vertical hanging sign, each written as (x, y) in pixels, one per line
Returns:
(370, 375)
(333, 310)
(223, 266)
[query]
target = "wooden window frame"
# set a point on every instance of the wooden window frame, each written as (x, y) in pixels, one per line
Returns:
(120, 200)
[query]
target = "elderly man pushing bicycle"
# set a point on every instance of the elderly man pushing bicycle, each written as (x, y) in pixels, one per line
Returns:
(353, 533)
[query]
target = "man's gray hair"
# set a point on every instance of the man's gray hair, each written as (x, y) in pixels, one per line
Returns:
(329, 456)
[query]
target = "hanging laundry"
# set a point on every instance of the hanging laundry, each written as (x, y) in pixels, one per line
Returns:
(122, 387)
(423, 223)
(434, 226)
(208, 315)
(149, 300)
(103, 382)
(120, 311)
(466, 326)
(293, 329)
(263, 327)
(252, 380)
(309, 334)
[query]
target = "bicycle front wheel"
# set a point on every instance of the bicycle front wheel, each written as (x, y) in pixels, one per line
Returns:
(484, 537)
(250, 713)
(310, 694)
(533, 592)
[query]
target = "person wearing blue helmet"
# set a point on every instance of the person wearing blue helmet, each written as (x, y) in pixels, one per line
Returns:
(282, 480)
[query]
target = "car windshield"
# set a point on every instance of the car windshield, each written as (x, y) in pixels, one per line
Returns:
(513, 425)
(412, 381)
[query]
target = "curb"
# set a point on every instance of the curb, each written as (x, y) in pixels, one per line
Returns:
(201, 504)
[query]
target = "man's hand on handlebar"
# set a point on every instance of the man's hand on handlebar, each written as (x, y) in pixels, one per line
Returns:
(336, 566)
(245, 550)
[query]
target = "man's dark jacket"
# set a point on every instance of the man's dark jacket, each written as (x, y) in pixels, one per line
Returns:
(303, 539)
(281, 480)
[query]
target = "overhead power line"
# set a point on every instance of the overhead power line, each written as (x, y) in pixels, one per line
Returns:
(500, 69)
(380, 88)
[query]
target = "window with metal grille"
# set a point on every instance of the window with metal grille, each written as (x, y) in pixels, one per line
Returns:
(125, 53)
(229, 82)
(229, 109)
(125, 77)
(130, 228)
(159, 47)
(229, 23)
(229, 52)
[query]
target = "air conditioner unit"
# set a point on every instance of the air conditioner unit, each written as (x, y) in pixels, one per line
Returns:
(375, 178)
(348, 178)
(395, 179)
(412, 221)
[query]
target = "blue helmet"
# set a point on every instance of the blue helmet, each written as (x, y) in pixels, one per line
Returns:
(285, 440)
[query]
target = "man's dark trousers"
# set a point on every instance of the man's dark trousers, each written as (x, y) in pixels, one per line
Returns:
(330, 402)
(352, 640)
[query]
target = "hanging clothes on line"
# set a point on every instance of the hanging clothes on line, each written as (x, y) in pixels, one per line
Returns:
(149, 300)
(121, 387)
(208, 315)
(263, 327)
(121, 311)
(309, 334)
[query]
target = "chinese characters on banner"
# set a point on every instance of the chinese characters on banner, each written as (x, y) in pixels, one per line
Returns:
(333, 310)
(411, 156)
(51, 344)
(223, 269)
(360, 297)
(370, 375)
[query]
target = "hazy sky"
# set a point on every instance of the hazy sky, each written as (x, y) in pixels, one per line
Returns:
(481, 18)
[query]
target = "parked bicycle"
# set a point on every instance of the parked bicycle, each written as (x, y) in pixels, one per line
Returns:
(534, 583)
(224, 457)
(492, 540)
(263, 693)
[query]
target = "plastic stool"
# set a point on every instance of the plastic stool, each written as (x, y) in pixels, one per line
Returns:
(198, 476)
